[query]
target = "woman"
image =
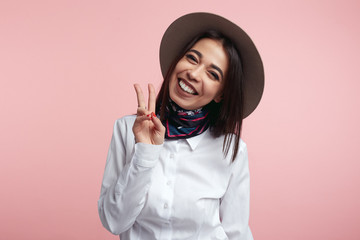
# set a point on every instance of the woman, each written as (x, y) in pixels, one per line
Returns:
(178, 169)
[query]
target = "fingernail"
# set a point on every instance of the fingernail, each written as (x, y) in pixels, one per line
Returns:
(153, 114)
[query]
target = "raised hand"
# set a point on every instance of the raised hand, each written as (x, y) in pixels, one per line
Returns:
(147, 127)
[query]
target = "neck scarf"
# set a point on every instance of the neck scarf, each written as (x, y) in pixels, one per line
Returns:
(181, 123)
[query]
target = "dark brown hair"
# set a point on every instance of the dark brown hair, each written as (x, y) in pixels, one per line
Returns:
(225, 116)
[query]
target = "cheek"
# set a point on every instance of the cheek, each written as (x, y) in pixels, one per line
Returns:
(214, 89)
(172, 81)
(172, 85)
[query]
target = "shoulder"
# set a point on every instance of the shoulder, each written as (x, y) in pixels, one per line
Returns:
(240, 165)
(242, 146)
(128, 119)
(125, 122)
(123, 126)
(242, 154)
(214, 146)
(220, 141)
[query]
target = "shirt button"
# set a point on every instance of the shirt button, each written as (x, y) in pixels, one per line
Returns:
(168, 183)
(166, 206)
(171, 155)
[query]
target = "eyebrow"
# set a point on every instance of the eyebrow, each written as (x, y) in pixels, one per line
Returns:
(212, 65)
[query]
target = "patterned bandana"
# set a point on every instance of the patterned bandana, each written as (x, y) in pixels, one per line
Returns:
(181, 123)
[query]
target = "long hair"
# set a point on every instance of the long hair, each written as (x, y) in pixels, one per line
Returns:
(225, 116)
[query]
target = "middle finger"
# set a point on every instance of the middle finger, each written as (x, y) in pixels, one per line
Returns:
(152, 98)
(140, 96)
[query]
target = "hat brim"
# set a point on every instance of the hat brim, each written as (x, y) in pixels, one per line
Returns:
(185, 28)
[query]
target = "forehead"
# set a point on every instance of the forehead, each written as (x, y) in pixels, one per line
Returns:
(212, 52)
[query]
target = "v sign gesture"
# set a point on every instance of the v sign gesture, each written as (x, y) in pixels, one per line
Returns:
(147, 127)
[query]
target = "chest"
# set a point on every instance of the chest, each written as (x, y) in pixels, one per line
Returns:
(187, 184)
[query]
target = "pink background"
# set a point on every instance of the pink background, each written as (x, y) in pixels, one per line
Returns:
(66, 72)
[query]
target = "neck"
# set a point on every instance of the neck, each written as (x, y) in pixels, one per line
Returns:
(182, 123)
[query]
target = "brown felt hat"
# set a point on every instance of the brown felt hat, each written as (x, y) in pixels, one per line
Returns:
(185, 28)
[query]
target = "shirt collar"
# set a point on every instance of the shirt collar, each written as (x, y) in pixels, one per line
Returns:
(194, 141)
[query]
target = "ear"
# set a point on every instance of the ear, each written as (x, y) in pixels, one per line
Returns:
(218, 98)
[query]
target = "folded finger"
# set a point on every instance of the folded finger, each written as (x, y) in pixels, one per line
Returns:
(157, 123)
(143, 118)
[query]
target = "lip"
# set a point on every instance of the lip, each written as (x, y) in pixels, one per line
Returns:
(187, 84)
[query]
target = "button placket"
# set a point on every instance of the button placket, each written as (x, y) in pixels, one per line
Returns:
(170, 168)
(170, 174)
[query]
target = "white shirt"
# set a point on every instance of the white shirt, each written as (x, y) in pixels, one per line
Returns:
(182, 189)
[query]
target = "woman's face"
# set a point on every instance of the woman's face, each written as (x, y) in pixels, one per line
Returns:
(199, 75)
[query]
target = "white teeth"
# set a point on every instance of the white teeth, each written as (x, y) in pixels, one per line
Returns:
(185, 87)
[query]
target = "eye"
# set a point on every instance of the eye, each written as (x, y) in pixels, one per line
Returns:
(214, 75)
(191, 58)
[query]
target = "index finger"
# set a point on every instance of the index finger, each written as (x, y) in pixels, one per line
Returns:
(152, 98)
(140, 96)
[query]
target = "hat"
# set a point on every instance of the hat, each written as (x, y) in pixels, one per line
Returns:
(185, 28)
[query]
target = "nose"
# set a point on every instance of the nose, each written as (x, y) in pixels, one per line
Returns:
(195, 73)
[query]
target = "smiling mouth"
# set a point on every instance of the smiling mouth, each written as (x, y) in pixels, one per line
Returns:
(186, 88)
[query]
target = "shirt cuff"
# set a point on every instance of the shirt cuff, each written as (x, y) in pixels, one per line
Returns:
(147, 155)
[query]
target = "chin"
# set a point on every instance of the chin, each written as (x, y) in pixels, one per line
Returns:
(179, 103)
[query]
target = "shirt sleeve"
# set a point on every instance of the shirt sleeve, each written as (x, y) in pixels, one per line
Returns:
(126, 179)
(234, 208)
